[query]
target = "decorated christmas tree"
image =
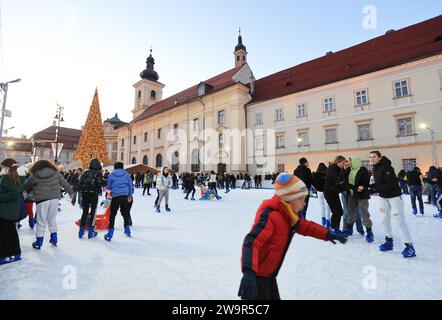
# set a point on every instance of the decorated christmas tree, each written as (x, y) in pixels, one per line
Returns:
(92, 137)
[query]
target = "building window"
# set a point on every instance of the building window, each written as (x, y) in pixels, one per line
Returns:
(361, 97)
(122, 156)
(329, 105)
(153, 94)
(196, 124)
(238, 58)
(405, 126)
(303, 139)
(258, 118)
(364, 132)
(409, 164)
(201, 89)
(195, 160)
(139, 94)
(135, 140)
(301, 110)
(122, 142)
(159, 161)
(221, 117)
(401, 89)
(279, 114)
(145, 161)
(280, 167)
(175, 129)
(221, 141)
(330, 135)
(134, 160)
(145, 137)
(367, 164)
(259, 143)
(159, 134)
(280, 141)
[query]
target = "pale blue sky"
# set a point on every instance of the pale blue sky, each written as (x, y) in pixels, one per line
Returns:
(63, 49)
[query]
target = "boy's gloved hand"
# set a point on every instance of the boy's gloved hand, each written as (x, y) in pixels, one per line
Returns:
(332, 236)
(248, 289)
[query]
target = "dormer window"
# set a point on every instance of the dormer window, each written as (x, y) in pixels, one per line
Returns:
(153, 94)
(202, 89)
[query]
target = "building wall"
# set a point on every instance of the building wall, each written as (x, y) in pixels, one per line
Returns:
(232, 100)
(423, 105)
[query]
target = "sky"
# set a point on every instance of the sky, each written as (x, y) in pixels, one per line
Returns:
(62, 50)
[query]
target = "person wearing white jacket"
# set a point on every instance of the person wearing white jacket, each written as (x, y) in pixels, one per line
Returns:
(164, 183)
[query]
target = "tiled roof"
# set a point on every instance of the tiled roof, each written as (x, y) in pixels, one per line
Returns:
(392, 49)
(69, 137)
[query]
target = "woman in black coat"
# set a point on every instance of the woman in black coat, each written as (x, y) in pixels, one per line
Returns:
(335, 184)
(10, 194)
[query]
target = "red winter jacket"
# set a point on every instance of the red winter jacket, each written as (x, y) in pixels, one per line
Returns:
(266, 245)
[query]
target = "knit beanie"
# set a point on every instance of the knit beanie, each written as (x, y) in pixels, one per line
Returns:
(289, 187)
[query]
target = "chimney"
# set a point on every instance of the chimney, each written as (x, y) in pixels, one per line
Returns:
(252, 84)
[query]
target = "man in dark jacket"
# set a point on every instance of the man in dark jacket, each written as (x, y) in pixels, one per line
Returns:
(189, 185)
(390, 202)
(264, 248)
(304, 173)
(414, 180)
(75, 179)
(90, 184)
(359, 182)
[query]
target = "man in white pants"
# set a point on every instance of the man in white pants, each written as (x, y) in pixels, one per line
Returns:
(390, 202)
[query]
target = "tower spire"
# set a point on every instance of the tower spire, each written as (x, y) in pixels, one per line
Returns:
(149, 73)
(240, 52)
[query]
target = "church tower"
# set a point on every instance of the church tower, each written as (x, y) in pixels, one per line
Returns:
(148, 91)
(240, 52)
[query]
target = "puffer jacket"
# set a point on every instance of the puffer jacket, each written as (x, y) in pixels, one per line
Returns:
(164, 182)
(91, 180)
(9, 198)
(45, 185)
(386, 181)
(265, 247)
(120, 183)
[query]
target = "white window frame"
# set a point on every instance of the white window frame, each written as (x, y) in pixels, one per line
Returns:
(400, 85)
(279, 114)
(358, 125)
(221, 117)
(196, 124)
(259, 142)
(258, 118)
(303, 107)
(361, 94)
(326, 135)
(326, 104)
(280, 167)
(409, 117)
(304, 142)
(280, 141)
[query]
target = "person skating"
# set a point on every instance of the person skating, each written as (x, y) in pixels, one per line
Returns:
(45, 183)
(358, 197)
(414, 179)
(189, 185)
(264, 248)
(147, 183)
(121, 187)
(90, 185)
(10, 197)
(344, 200)
(334, 185)
(164, 183)
(390, 202)
(436, 178)
(304, 173)
(318, 181)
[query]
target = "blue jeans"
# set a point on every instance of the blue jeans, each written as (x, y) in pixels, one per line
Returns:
(404, 187)
(416, 192)
(359, 226)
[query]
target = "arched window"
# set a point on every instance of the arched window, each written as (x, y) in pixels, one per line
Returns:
(244, 58)
(221, 141)
(176, 161)
(153, 94)
(139, 94)
(196, 161)
(238, 58)
(134, 160)
(159, 161)
(122, 156)
(145, 161)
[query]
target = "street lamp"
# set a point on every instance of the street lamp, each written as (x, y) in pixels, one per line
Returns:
(432, 135)
(4, 88)
(59, 118)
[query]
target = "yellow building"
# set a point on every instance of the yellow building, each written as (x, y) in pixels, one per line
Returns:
(175, 131)
(384, 94)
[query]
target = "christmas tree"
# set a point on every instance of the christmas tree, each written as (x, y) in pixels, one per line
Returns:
(92, 137)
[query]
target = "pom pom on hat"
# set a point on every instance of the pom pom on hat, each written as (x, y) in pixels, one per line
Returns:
(289, 187)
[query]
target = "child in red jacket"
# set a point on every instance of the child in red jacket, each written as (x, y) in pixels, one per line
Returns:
(264, 248)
